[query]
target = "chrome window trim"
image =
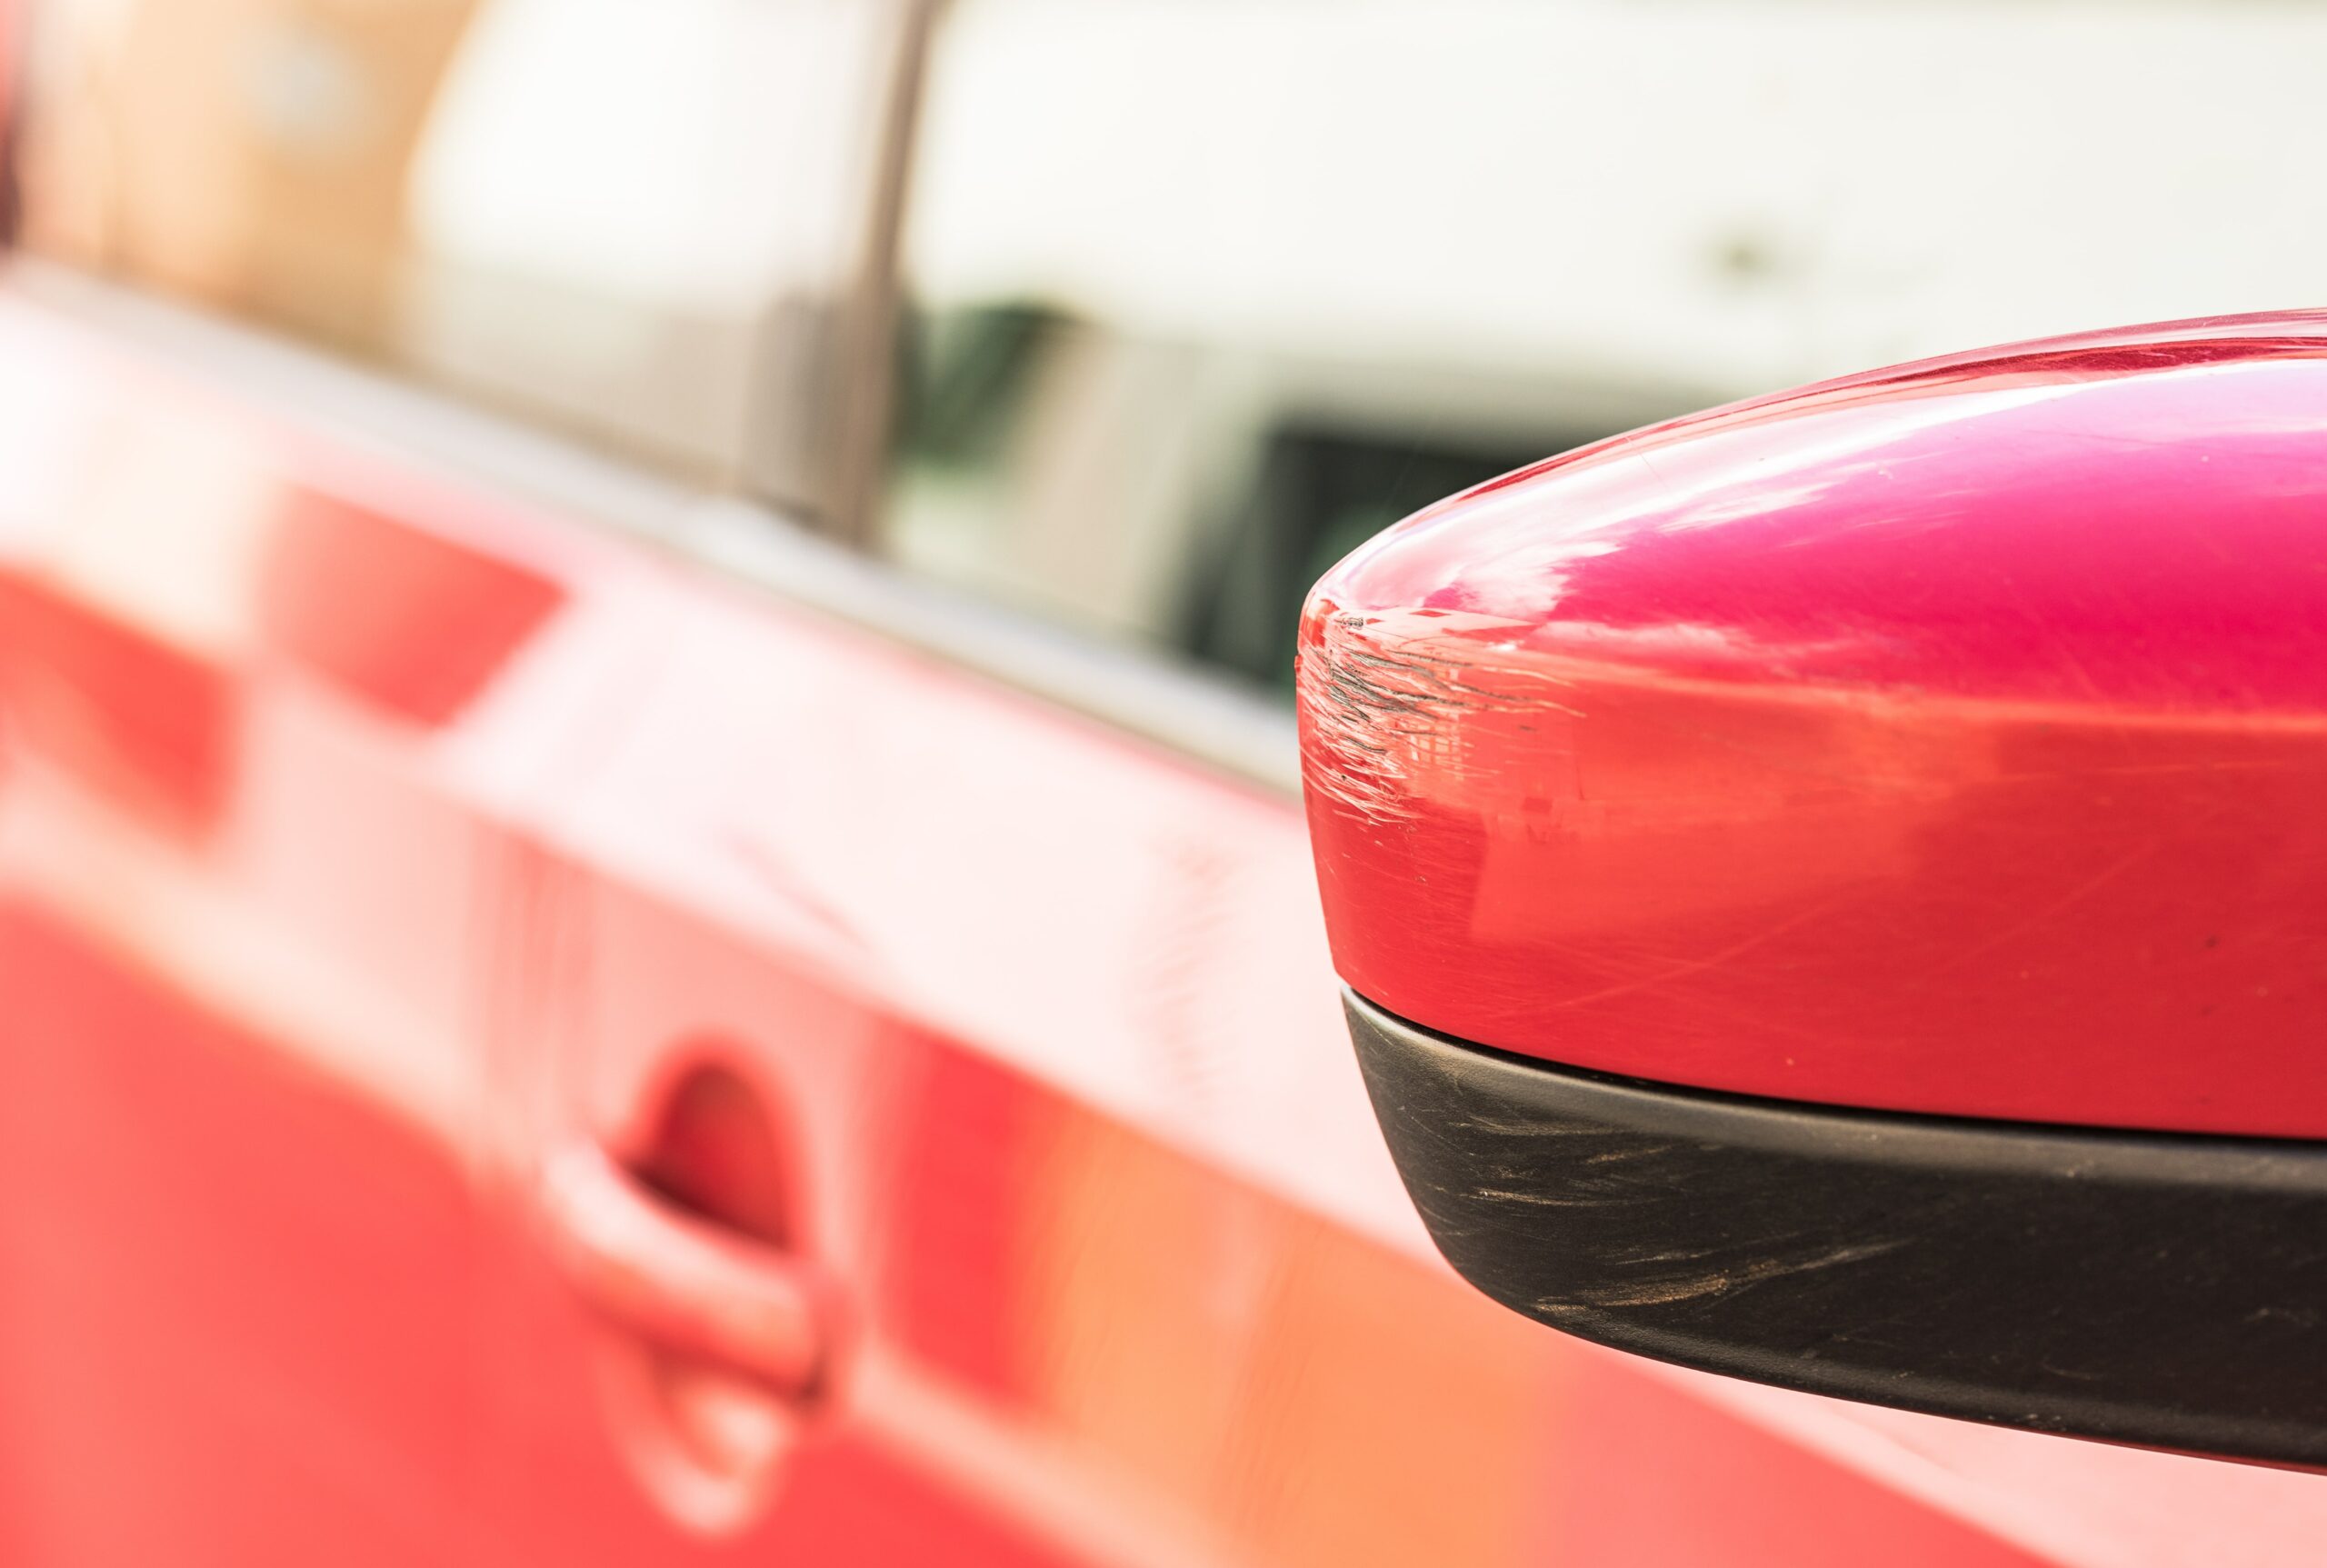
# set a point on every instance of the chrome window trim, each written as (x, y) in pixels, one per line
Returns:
(1176, 705)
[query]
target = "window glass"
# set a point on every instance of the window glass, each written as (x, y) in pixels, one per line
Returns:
(1204, 293)
(592, 210)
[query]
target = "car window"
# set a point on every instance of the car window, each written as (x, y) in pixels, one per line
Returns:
(619, 217)
(1202, 294)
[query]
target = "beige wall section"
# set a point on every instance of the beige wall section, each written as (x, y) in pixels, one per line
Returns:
(598, 214)
(249, 153)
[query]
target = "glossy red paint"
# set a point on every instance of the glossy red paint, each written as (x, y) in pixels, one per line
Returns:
(1949, 739)
(409, 621)
(1021, 1034)
(143, 720)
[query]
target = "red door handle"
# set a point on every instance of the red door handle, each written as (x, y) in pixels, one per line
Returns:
(681, 1282)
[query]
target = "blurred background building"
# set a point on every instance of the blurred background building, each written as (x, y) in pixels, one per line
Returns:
(1173, 300)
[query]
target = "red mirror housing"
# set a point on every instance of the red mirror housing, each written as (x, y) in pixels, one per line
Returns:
(1946, 742)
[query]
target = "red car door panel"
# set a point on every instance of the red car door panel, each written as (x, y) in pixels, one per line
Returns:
(1090, 1164)
(243, 1073)
(311, 967)
(235, 1321)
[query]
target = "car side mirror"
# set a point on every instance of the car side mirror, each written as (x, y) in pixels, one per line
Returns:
(1833, 889)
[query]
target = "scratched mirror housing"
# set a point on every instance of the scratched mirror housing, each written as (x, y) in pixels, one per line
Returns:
(1830, 889)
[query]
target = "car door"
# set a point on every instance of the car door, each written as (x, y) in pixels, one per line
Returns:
(1120, 1277)
(278, 697)
(239, 1064)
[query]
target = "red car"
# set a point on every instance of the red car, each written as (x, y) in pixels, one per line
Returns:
(654, 897)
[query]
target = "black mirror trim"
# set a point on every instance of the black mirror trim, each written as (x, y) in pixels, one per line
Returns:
(2149, 1288)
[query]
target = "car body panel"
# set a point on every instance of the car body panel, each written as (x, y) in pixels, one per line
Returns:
(316, 964)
